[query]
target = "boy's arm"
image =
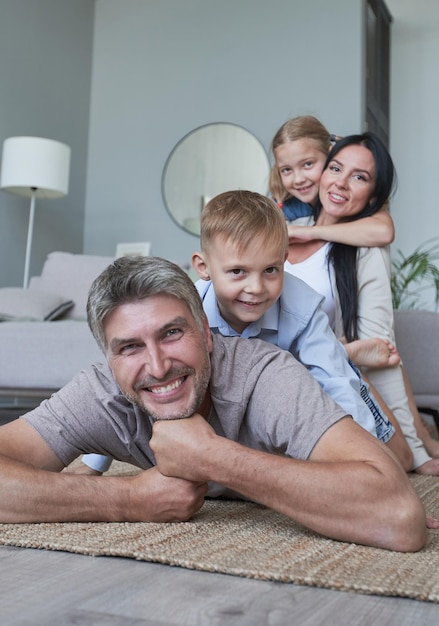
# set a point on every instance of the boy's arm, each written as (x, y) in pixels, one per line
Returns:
(325, 358)
(376, 230)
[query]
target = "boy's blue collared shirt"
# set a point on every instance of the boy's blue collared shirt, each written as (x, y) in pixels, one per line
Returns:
(296, 322)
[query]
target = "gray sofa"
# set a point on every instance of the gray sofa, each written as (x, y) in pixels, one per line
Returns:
(45, 339)
(417, 339)
(44, 336)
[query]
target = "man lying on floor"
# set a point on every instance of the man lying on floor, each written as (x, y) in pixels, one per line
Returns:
(202, 415)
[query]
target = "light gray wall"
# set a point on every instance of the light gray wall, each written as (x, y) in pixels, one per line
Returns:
(161, 69)
(414, 140)
(45, 69)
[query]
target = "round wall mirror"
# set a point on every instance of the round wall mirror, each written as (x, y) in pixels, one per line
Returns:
(207, 161)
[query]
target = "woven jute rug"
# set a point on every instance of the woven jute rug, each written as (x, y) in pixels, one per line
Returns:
(246, 539)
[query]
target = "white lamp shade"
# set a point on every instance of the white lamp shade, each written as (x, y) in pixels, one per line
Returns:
(35, 165)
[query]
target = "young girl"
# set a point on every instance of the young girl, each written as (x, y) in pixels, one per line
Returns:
(344, 200)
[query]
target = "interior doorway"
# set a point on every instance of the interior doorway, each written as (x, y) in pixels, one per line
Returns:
(378, 27)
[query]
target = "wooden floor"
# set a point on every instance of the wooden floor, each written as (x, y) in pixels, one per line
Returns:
(45, 588)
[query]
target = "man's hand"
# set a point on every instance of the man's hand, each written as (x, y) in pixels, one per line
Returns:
(159, 498)
(181, 447)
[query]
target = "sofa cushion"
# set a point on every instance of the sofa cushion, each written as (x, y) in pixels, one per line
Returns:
(22, 304)
(41, 355)
(71, 276)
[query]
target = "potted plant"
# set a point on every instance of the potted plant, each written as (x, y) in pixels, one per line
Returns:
(414, 274)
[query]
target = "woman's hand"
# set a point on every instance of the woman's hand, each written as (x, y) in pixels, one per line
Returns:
(299, 234)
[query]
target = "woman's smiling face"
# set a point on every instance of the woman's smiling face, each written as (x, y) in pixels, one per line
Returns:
(347, 185)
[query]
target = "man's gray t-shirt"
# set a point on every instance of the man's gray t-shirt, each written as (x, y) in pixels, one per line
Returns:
(261, 397)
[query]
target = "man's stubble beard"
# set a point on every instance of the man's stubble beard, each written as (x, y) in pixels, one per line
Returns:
(201, 386)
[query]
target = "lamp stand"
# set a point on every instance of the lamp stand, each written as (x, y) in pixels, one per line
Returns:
(29, 238)
(32, 166)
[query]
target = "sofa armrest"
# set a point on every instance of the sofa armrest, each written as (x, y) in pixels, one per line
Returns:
(417, 340)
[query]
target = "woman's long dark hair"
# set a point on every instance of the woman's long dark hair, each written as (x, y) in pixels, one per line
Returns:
(342, 256)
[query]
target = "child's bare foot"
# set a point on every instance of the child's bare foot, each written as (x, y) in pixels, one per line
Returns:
(425, 435)
(432, 431)
(430, 468)
(432, 446)
(432, 522)
(374, 353)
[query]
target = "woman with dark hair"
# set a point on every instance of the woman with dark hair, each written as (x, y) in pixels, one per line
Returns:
(357, 179)
(372, 173)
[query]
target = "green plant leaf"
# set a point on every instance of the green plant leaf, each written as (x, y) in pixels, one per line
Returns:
(414, 274)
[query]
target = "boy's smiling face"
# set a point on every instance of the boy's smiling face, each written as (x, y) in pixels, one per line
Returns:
(246, 282)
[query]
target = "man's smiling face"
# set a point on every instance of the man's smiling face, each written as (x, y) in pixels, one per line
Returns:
(159, 356)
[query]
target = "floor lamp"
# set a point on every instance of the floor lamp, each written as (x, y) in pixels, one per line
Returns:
(36, 168)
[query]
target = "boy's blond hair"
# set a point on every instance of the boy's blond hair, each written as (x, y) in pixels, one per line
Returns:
(240, 217)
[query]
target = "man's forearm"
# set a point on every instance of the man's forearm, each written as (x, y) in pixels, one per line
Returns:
(32, 495)
(350, 501)
(368, 501)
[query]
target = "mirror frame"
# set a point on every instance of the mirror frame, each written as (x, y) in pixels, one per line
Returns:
(190, 224)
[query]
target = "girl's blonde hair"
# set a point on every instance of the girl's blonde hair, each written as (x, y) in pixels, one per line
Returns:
(301, 127)
(241, 217)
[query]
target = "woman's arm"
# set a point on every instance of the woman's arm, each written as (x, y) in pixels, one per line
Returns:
(376, 230)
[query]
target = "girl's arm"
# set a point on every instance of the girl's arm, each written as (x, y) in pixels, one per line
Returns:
(376, 230)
